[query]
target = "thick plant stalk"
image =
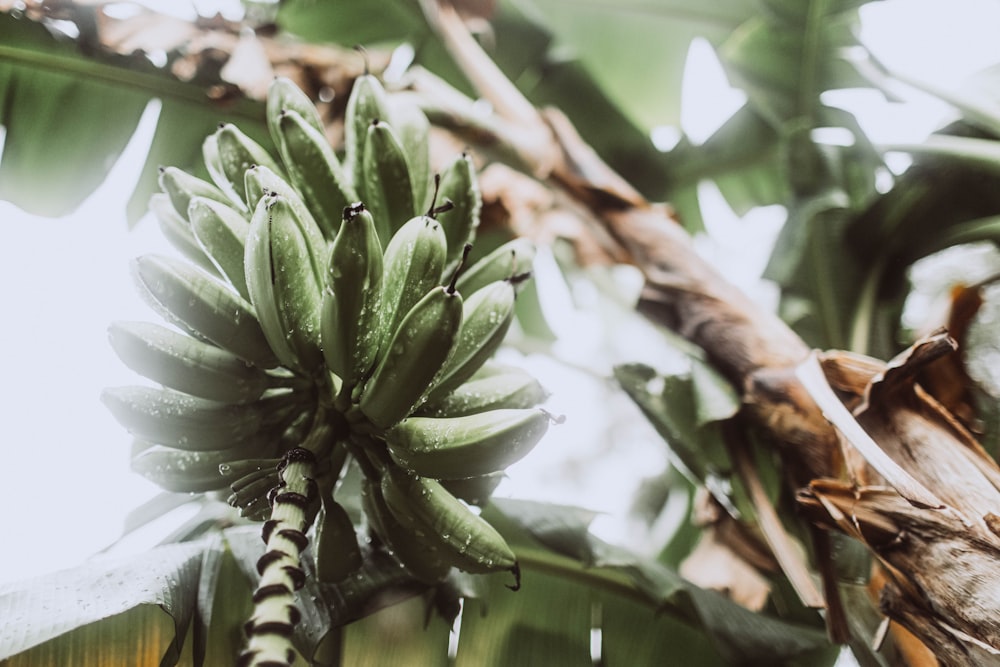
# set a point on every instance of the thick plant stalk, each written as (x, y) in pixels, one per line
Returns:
(275, 615)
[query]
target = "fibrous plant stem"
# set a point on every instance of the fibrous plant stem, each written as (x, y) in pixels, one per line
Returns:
(275, 615)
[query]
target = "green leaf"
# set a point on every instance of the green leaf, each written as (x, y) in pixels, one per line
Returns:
(645, 76)
(69, 110)
(785, 58)
(803, 265)
(547, 622)
(756, 639)
(55, 122)
(715, 398)
(224, 604)
(135, 637)
(414, 639)
(981, 152)
(684, 411)
(975, 99)
(631, 635)
(348, 23)
(120, 602)
(739, 634)
(743, 157)
(156, 507)
(561, 528)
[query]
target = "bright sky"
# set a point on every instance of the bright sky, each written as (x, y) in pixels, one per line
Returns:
(63, 281)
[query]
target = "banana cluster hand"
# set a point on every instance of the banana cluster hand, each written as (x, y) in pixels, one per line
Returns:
(327, 306)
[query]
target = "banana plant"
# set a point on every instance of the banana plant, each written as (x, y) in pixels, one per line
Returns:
(329, 370)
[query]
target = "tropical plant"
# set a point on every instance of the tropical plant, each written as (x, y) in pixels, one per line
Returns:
(832, 477)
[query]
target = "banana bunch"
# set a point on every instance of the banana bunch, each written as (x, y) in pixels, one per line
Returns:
(326, 304)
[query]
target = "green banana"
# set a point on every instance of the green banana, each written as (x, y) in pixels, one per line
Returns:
(414, 552)
(314, 170)
(463, 538)
(284, 95)
(186, 364)
(177, 230)
(476, 444)
(474, 490)
(240, 472)
(486, 317)
(261, 181)
(285, 257)
(413, 262)
(251, 495)
(366, 103)
(228, 154)
(183, 471)
(386, 187)
(254, 479)
(513, 258)
(493, 386)
(221, 232)
(190, 299)
(460, 187)
(171, 418)
(414, 355)
(336, 544)
(180, 186)
(413, 130)
(350, 317)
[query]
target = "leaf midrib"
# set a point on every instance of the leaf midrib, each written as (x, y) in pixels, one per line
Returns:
(155, 85)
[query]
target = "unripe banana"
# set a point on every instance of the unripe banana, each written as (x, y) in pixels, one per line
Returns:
(486, 317)
(457, 447)
(221, 231)
(415, 553)
(285, 259)
(414, 356)
(351, 302)
(314, 170)
(336, 545)
(464, 539)
(228, 154)
(413, 262)
(366, 103)
(250, 495)
(252, 486)
(261, 181)
(202, 306)
(183, 471)
(413, 130)
(513, 258)
(386, 187)
(492, 387)
(180, 186)
(284, 95)
(186, 364)
(174, 419)
(459, 186)
(235, 471)
(177, 230)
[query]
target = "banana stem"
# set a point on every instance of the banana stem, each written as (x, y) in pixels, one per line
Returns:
(275, 615)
